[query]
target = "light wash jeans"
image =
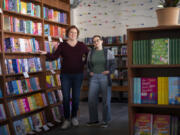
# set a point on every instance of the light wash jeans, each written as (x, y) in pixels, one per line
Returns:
(99, 84)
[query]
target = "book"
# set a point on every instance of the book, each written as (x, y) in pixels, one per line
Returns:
(160, 51)
(1, 95)
(161, 124)
(174, 90)
(2, 112)
(19, 127)
(148, 90)
(143, 124)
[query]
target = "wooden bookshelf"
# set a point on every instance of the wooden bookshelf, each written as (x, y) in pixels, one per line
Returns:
(59, 5)
(150, 70)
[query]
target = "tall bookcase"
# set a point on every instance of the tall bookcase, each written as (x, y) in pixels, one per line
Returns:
(150, 70)
(61, 6)
(119, 81)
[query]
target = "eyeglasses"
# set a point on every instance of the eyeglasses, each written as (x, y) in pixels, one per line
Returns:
(96, 40)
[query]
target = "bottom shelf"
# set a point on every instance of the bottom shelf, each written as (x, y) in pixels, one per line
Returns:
(156, 124)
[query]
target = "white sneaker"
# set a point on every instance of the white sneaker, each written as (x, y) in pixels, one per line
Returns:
(75, 122)
(66, 124)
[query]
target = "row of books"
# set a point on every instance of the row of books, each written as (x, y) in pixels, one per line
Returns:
(53, 81)
(155, 124)
(117, 50)
(21, 45)
(107, 40)
(23, 65)
(27, 104)
(30, 124)
(54, 31)
(0, 69)
(55, 96)
(57, 112)
(2, 113)
(53, 65)
(22, 86)
(122, 74)
(123, 50)
(4, 130)
(160, 90)
(122, 62)
(55, 15)
(1, 95)
(22, 7)
(13, 24)
(156, 51)
(51, 46)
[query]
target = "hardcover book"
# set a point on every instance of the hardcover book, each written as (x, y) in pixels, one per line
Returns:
(160, 51)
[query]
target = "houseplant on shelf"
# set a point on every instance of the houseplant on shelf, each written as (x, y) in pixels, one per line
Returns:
(168, 14)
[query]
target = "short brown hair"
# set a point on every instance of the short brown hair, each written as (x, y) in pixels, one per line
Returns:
(97, 36)
(72, 27)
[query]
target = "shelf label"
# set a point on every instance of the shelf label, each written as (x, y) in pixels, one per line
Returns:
(52, 71)
(58, 121)
(0, 10)
(26, 75)
(60, 40)
(31, 133)
(49, 38)
(37, 129)
(45, 127)
(50, 124)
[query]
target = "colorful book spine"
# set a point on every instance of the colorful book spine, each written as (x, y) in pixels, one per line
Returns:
(149, 90)
(2, 112)
(4, 130)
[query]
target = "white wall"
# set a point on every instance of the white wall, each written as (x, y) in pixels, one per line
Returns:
(113, 17)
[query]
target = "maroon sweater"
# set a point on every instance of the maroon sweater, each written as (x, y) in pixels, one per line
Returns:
(73, 58)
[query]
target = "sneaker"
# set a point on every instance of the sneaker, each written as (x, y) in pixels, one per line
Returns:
(66, 124)
(75, 122)
(104, 125)
(93, 123)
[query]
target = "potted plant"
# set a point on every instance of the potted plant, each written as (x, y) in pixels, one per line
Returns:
(168, 14)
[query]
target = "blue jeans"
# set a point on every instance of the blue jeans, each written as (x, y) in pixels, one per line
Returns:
(99, 84)
(69, 81)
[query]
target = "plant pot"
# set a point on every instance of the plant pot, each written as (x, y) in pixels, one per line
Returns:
(168, 16)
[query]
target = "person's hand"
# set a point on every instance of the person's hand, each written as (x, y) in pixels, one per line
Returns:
(91, 73)
(106, 72)
(42, 52)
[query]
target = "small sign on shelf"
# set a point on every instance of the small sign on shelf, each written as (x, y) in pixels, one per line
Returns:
(52, 71)
(26, 75)
(60, 40)
(50, 124)
(49, 38)
(46, 128)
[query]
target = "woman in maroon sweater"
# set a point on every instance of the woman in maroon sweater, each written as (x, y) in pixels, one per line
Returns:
(73, 54)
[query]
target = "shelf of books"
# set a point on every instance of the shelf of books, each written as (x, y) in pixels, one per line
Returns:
(154, 80)
(30, 90)
(118, 46)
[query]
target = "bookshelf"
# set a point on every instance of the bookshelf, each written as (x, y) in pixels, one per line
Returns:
(119, 79)
(148, 70)
(24, 31)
